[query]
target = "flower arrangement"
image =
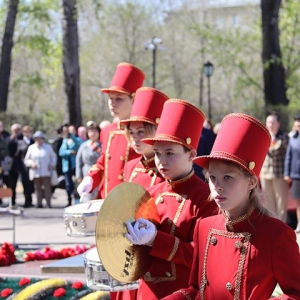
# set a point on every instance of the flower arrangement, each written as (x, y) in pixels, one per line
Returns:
(39, 289)
(49, 253)
(8, 254)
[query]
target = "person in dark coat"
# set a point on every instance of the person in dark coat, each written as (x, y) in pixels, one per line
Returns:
(14, 138)
(23, 144)
(205, 145)
(4, 158)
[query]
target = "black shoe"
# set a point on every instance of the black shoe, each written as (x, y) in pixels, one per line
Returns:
(48, 206)
(38, 206)
(28, 205)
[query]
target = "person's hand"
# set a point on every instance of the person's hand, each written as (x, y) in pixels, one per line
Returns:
(73, 152)
(86, 185)
(79, 179)
(143, 232)
(50, 168)
(289, 180)
(33, 165)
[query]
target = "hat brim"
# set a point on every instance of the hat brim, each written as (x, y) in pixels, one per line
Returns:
(202, 161)
(165, 138)
(115, 89)
(137, 119)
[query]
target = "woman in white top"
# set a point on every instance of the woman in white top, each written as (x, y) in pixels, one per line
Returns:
(41, 160)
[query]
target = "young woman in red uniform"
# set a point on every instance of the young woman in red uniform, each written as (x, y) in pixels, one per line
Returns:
(116, 151)
(243, 252)
(143, 121)
(181, 199)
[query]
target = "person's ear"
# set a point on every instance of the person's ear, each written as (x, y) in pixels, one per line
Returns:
(253, 182)
(192, 155)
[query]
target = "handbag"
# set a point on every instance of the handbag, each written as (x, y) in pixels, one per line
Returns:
(54, 178)
(6, 164)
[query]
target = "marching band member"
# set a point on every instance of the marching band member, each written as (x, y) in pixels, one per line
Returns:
(243, 252)
(143, 121)
(181, 199)
(116, 151)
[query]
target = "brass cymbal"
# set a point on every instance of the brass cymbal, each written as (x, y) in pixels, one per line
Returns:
(122, 260)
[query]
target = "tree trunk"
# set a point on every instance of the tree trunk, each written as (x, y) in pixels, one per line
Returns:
(71, 63)
(273, 73)
(7, 45)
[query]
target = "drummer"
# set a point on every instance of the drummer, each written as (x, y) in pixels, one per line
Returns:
(181, 199)
(143, 121)
(116, 151)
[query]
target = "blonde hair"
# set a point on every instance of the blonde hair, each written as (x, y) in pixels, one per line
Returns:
(150, 130)
(255, 197)
(27, 128)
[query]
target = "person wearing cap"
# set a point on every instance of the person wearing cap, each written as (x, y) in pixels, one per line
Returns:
(41, 160)
(243, 252)
(181, 199)
(143, 121)
(116, 150)
(291, 167)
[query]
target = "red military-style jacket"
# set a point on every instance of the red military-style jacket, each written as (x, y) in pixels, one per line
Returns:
(179, 203)
(142, 172)
(109, 168)
(243, 259)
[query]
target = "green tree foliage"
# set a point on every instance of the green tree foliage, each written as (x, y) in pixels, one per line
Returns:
(290, 42)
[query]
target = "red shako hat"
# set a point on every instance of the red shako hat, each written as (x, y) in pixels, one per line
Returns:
(127, 79)
(180, 122)
(242, 140)
(147, 106)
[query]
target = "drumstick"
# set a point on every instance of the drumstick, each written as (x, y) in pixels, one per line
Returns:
(83, 197)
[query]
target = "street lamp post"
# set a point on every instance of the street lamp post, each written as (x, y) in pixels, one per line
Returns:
(153, 45)
(208, 71)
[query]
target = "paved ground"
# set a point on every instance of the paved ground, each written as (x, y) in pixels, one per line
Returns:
(37, 228)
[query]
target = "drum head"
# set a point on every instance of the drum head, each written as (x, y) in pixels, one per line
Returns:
(85, 207)
(91, 255)
(124, 261)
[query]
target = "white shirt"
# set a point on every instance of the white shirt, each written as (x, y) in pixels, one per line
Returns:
(43, 156)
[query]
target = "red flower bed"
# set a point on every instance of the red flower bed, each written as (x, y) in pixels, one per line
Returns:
(7, 254)
(49, 253)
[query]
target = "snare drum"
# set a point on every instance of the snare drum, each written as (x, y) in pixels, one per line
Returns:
(81, 219)
(98, 279)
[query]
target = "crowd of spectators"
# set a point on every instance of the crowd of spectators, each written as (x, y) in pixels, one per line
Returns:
(29, 157)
